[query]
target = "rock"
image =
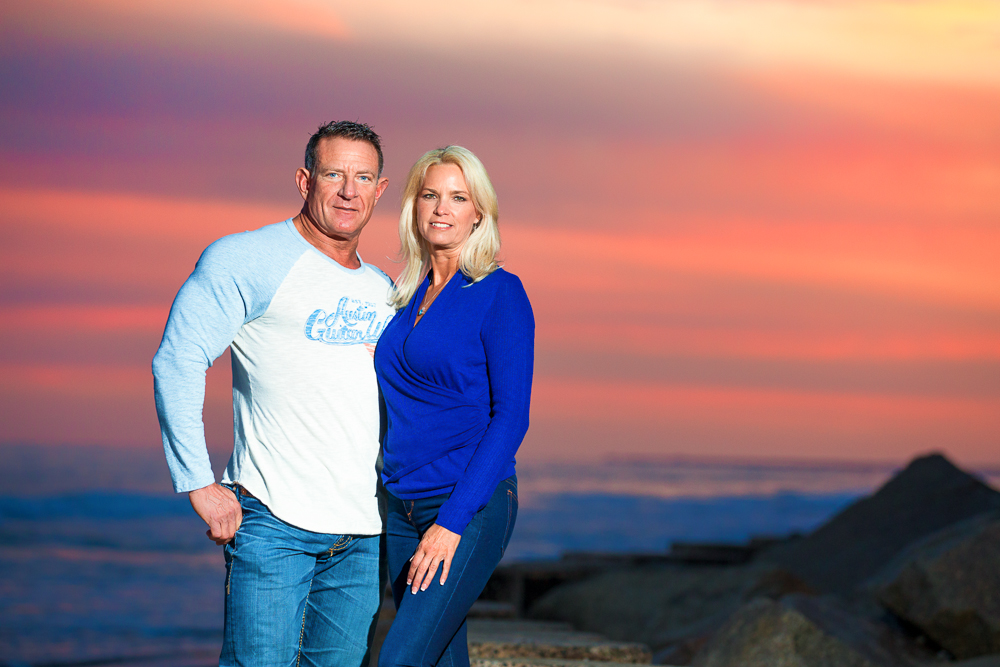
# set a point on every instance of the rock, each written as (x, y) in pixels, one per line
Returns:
(948, 586)
(985, 661)
(540, 662)
(927, 496)
(502, 639)
(667, 607)
(492, 609)
(874, 639)
(680, 653)
(766, 633)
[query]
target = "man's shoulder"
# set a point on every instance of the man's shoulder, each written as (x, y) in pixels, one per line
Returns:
(243, 245)
(254, 254)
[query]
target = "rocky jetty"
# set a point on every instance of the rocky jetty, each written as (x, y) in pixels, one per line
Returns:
(949, 586)
(505, 642)
(908, 577)
(766, 633)
(663, 605)
(929, 495)
(505, 639)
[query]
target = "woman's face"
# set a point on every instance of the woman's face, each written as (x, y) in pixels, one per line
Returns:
(445, 212)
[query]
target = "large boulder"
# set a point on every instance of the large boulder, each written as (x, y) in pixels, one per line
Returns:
(766, 633)
(796, 632)
(493, 639)
(664, 606)
(927, 496)
(948, 586)
(985, 661)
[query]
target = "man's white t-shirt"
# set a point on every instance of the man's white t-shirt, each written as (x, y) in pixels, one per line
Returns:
(302, 330)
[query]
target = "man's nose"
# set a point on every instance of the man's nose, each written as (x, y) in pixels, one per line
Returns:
(349, 190)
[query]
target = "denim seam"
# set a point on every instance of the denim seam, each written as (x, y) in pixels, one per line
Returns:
(510, 499)
(454, 589)
(409, 512)
(302, 632)
(232, 546)
(340, 544)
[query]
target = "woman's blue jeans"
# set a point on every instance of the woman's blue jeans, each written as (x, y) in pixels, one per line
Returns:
(294, 597)
(429, 628)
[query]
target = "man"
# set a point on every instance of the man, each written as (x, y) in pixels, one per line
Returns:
(297, 509)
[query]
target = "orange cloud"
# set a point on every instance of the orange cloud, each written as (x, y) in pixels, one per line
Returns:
(580, 420)
(99, 319)
(166, 20)
(91, 380)
(615, 400)
(953, 266)
(746, 342)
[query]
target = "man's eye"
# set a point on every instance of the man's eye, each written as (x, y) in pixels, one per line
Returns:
(365, 178)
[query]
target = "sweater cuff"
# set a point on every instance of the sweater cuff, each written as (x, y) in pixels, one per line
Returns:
(192, 483)
(454, 518)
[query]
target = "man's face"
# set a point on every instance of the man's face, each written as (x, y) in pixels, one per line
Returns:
(341, 191)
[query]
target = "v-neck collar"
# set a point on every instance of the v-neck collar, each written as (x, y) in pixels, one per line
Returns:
(422, 290)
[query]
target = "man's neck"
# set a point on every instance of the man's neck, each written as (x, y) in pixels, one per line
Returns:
(344, 251)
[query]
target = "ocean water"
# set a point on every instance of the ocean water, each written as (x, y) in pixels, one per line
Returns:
(127, 577)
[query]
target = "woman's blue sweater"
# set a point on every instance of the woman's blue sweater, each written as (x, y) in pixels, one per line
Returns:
(457, 389)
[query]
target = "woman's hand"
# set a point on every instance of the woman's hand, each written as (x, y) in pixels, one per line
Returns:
(436, 546)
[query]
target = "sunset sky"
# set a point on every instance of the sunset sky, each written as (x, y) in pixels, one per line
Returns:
(750, 229)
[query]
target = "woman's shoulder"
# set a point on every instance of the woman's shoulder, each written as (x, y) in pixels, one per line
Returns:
(501, 278)
(499, 284)
(506, 293)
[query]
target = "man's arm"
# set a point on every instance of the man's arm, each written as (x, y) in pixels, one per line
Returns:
(205, 317)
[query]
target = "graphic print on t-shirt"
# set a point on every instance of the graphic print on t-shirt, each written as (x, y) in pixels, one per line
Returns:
(354, 322)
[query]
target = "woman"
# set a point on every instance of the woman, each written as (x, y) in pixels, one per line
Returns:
(454, 366)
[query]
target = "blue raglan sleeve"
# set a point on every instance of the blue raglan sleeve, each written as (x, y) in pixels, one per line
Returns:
(508, 337)
(216, 300)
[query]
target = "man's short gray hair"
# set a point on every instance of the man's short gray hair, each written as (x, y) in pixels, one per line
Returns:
(348, 130)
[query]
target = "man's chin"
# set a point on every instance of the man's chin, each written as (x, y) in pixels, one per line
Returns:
(346, 225)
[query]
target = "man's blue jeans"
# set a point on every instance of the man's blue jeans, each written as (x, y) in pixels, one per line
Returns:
(429, 628)
(294, 597)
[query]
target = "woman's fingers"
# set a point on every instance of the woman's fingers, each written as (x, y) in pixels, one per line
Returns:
(420, 569)
(437, 547)
(415, 562)
(446, 566)
(424, 582)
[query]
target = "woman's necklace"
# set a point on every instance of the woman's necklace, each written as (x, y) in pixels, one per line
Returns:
(428, 299)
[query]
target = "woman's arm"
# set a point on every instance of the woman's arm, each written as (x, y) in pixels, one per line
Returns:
(508, 336)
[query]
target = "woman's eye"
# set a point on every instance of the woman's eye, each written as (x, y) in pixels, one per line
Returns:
(459, 198)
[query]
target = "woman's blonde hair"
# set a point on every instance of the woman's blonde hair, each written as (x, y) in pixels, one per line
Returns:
(477, 258)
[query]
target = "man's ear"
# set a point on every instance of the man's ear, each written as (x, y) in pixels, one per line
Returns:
(302, 181)
(383, 183)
